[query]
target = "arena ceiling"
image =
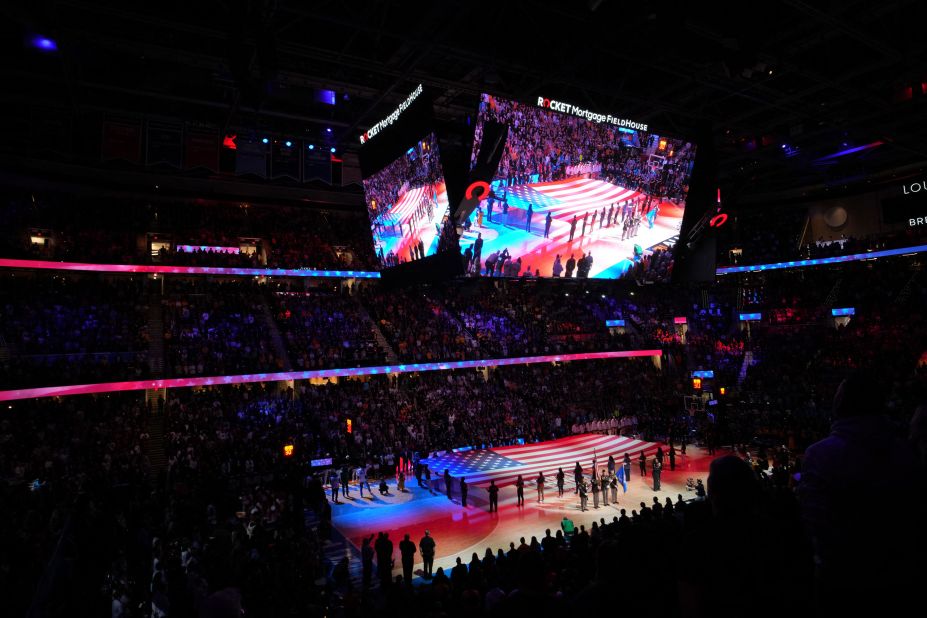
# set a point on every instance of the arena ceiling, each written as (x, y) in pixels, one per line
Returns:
(781, 86)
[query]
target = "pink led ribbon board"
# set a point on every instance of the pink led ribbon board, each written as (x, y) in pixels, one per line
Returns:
(110, 387)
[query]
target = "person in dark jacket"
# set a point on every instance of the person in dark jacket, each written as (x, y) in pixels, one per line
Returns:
(493, 496)
(427, 547)
(407, 552)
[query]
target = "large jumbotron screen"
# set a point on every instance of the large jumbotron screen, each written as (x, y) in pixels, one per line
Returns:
(408, 206)
(569, 187)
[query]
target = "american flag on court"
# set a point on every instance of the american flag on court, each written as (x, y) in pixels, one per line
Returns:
(504, 464)
(565, 198)
(402, 210)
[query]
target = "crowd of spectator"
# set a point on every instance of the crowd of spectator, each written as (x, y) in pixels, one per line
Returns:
(325, 329)
(763, 239)
(555, 146)
(131, 230)
(55, 330)
(224, 524)
(67, 470)
(218, 329)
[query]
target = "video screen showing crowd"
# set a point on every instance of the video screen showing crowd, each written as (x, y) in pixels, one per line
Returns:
(576, 198)
(408, 206)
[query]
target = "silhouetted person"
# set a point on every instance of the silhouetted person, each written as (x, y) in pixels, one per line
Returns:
(367, 560)
(384, 550)
(407, 552)
(493, 497)
(427, 547)
(519, 491)
(560, 479)
(862, 554)
(463, 491)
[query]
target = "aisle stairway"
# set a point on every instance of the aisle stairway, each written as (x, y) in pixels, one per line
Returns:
(155, 337)
(157, 454)
(748, 362)
(456, 321)
(908, 286)
(276, 339)
(391, 357)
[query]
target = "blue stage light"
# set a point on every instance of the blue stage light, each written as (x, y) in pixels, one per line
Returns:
(265, 141)
(333, 150)
(311, 146)
(288, 143)
(44, 44)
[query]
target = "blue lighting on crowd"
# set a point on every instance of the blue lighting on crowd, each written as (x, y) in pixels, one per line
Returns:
(837, 312)
(706, 374)
(750, 317)
(726, 270)
(612, 323)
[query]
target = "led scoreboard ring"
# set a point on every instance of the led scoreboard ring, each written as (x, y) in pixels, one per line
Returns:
(479, 184)
(718, 220)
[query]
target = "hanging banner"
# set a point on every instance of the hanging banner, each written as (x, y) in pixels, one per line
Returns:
(251, 157)
(317, 165)
(121, 140)
(201, 147)
(284, 162)
(164, 142)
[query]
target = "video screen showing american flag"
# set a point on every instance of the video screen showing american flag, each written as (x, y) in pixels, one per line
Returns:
(408, 206)
(577, 198)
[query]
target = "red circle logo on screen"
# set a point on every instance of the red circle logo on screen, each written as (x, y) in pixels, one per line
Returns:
(472, 190)
(718, 220)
